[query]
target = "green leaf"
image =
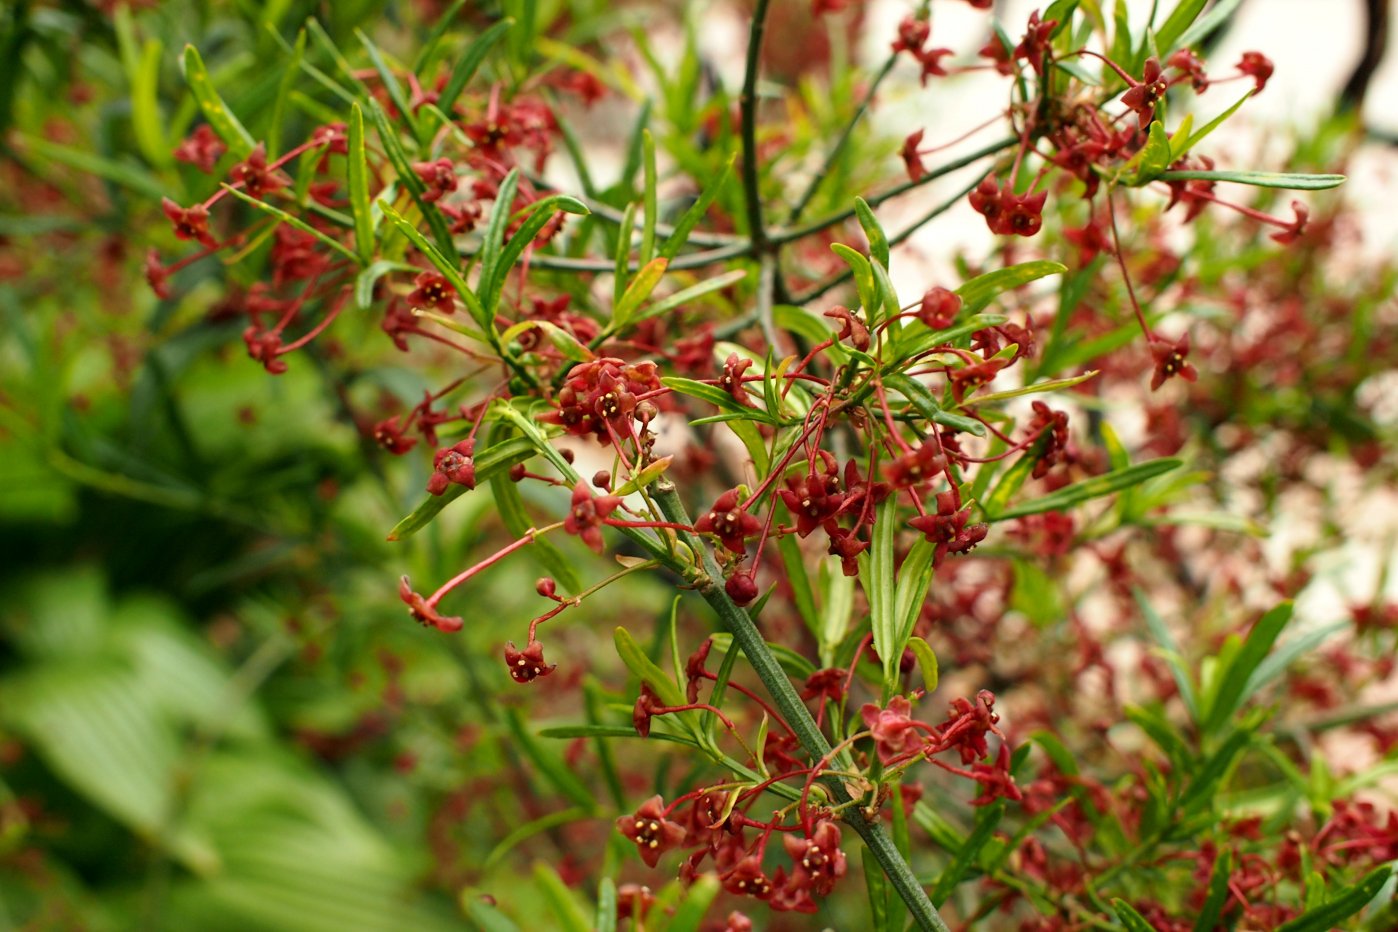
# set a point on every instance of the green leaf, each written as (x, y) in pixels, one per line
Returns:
(483, 915)
(914, 579)
(358, 180)
(497, 458)
(921, 399)
(926, 662)
(647, 247)
(1153, 158)
(1212, 911)
(366, 280)
(692, 293)
(606, 906)
(569, 732)
(145, 107)
(449, 269)
(637, 291)
(863, 273)
(987, 819)
(1096, 487)
(466, 67)
(221, 119)
(676, 240)
(1205, 25)
(540, 213)
(1293, 181)
(718, 397)
(1234, 678)
(493, 240)
(1172, 654)
(643, 667)
(402, 165)
(876, 575)
(1190, 141)
(294, 221)
(567, 783)
(1343, 905)
(1181, 18)
(390, 83)
(1202, 787)
(876, 893)
(1052, 385)
(117, 172)
(1012, 480)
(1283, 657)
(1132, 920)
(878, 240)
(977, 293)
(699, 896)
(562, 901)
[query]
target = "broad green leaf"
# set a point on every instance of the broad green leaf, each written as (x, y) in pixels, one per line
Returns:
(221, 119)
(358, 181)
(977, 293)
(1293, 181)
(1096, 487)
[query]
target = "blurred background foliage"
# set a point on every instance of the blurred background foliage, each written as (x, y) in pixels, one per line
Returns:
(213, 711)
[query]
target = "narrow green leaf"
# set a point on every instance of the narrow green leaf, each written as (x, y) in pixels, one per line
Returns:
(926, 662)
(1096, 487)
(1234, 678)
(358, 180)
(393, 148)
(1283, 657)
(977, 293)
(873, 231)
(448, 268)
(294, 221)
(1153, 158)
(718, 397)
(221, 119)
(647, 248)
(568, 732)
(697, 899)
(1171, 649)
(1205, 25)
(876, 893)
(562, 901)
(1292, 181)
(637, 291)
(1130, 918)
(1039, 387)
(643, 667)
(914, 578)
(118, 172)
(863, 273)
(1212, 910)
(987, 819)
(145, 106)
(549, 767)
(495, 459)
(493, 240)
(876, 575)
(1203, 785)
(540, 213)
(921, 399)
(1193, 140)
(676, 240)
(466, 67)
(1340, 907)
(390, 83)
(606, 906)
(1181, 18)
(484, 916)
(692, 293)
(1012, 480)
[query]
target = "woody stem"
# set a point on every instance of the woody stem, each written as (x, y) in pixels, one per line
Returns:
(764, 663)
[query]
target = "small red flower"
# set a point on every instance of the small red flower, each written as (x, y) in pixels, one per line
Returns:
(912, 159)
(729, 522)
(189, 222)
(747, 879)
(157, 276)
(819, 860)
(895, 732)
(915, 467)
(939, 307)
(1297, 227)
(433, 290)
(912, 35)
(948, 528)
(453, 465)
(812, 500)
(425, 614)
(1143, 97)
(1257, 66)
(1170, 361)
(254, 175)
(586, 514)
(852, 329)
(438, 177)
(202, 149)
(527, 665)
(651, 831)
(390, 434)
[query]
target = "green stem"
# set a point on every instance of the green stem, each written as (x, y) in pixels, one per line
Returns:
(747, 637)
(748, 104)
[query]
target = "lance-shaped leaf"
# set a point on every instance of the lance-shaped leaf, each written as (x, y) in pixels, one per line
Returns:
(1293, 181)
(466, 67)
(926, 405)
(637, 291)
(297, 222)
(446, 266)
(221, 119)
(1096, 487)
(497, 458)
(981, 290)
(358, 181)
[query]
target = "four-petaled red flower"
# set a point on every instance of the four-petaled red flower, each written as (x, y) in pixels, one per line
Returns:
(819, 860)
(527, 665)
(1257, 66)
(652, 832)
(438, 177)
(189, 222)
(202, 149)
(813, 500)
(1170, 361)
(747, 879)
(729, 522)
(254, 175)
(433, 290)
(916, 466)
(948, 528)
(912, 159)
(587, 513)
(895, 733)
(1143, 97)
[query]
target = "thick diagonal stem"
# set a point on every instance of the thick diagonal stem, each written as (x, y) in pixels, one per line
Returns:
(748, 103)
(747, 637)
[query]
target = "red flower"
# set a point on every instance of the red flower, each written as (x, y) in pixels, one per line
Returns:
(1170, 361)
(851, 327)
(1258, 66)
(731, 380)
(433, 290)
(389, 434)
(729, 522)
(189, 222)
(254, 175)
(741, 588)
(813, 500)
(652, 832)
(201, 149)
(527, 665)
(915, 467)
(1143, 97)
(819, 860)
(895, 732)
(931, 61)
(438, 177)
(747, 879)
(157, 276)
(1298, 226)
(453, 465)
(912, 159)
(939, 307)
(995, 779)
(587, 513)
(948, 528)
(912, 35)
